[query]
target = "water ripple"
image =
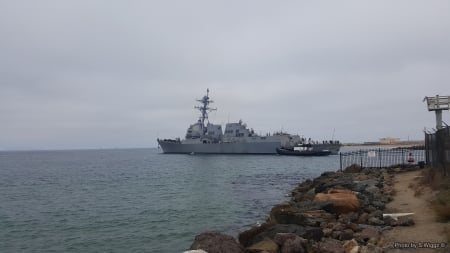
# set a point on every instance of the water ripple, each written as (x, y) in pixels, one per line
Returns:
(137, 200)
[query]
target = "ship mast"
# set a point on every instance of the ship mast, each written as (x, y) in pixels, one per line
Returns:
(204, 109)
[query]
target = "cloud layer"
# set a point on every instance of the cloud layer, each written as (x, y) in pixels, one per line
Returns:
(89, 74)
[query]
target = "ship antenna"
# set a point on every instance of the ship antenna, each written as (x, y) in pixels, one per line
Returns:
(205, 109)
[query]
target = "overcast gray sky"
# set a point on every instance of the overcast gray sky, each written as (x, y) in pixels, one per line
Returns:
(106, 74)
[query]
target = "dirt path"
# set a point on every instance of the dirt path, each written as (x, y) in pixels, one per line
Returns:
(426, 229)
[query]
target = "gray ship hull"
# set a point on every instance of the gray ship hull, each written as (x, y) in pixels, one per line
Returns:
(172, 147)
(220, 148)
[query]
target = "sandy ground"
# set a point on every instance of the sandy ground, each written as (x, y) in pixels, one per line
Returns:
(426, 229)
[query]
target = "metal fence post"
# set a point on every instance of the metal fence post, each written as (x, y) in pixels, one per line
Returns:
(379, 155)
(360, 157)
(403, 158)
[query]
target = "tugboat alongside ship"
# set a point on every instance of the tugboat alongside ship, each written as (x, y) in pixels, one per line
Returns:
(203, 137)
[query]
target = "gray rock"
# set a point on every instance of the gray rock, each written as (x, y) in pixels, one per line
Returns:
(304, 193)
(313, 233)
(389, 221)
(354, 227)
(378, 204)
(353, 216)
(309, 195)
(290, 243)
(367, 171)
(364, 200)
(367, 233)
(327, 232)
(213, 242)
(338, 226)
(314, 205)
(266, 245)
(370, 209)
(281, 238)
(351, 246)
(347, 234)
(293, 246)
(370, 248)
(253, 235)
(377, 214)
(330, 246)
(249, 238)
(374, 190)
(375, 221)
(333, 181)
(363, 218)
(289, 214)
(286, 214)
(336, 234)
(354, 168)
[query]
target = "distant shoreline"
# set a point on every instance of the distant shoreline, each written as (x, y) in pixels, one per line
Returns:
(399, 144)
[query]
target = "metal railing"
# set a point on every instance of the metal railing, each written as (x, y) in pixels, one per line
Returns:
(382, 157)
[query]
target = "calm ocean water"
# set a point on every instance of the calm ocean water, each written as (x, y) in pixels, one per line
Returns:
(137, 200)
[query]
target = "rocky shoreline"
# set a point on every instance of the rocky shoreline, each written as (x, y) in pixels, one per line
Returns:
(336, 212)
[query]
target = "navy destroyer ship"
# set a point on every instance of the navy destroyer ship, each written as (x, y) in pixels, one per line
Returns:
(203, 137)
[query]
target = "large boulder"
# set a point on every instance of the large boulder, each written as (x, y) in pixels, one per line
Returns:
(274, 231)
(316, 217)
(258, 234)
(304, 196)
(286, 214)
(344, 202)
(293, 246)
(266, 245)
(310, 205)
(313, 233)
(351, 246)
(251, 236)
(329, 181)
(213, 242)
(290, 214)
(330, 246)
(354, 168)
(290, 243)
(371, 234)
(302, 188)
